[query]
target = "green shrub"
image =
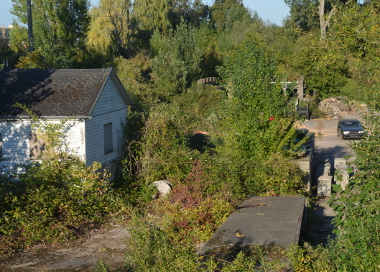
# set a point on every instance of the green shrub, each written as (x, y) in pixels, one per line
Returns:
(150, 249)
(55, 202)
(57, 199)
(310, 259)
(193, 210)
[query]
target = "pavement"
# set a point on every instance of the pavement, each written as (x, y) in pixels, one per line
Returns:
(327, 143)
(328, 148)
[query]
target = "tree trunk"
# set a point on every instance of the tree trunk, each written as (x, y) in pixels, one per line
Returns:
(324, 22)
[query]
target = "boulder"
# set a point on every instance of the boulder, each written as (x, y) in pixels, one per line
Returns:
(163, 187)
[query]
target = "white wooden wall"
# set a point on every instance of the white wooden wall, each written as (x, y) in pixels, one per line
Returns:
(110, 107)
(15, 142)
(84, 138)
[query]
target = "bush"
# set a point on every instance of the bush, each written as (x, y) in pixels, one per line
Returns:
(310, 259)
(150, 249)
(55, 202)
(193, 210)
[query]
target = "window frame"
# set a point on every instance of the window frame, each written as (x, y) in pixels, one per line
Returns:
(108, 138)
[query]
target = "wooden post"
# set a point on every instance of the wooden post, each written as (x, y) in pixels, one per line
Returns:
(300, 87)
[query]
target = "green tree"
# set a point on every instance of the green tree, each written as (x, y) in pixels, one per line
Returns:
(239, 24)
(248, 75)
(325, 69)
(258, 117)
(206, 38)
(59, 28)
(309, 15)
(355, 31)
(152, 14)
(111, 27)
(19, 38)
(191, 11)
(176, 61)
(303, 14)
(220, 12)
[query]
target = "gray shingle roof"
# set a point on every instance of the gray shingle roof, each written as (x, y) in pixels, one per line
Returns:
(51, 92)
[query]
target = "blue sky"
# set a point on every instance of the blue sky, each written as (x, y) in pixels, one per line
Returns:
(273, 10)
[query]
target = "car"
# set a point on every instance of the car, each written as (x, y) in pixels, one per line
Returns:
(350, 129)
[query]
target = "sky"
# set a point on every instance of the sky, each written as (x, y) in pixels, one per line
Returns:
(269, 10)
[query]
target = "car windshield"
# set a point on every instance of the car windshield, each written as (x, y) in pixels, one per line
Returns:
(351, 124)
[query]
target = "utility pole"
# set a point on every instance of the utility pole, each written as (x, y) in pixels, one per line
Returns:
(30, 30)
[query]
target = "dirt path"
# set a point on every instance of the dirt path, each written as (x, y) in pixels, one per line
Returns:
(108, 246)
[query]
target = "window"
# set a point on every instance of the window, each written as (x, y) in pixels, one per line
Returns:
(36, 146)
(108, 142)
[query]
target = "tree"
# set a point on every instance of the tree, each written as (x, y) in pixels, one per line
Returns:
(206, 38)
(324, 21)
(220, 12)
(191, 11)
(258, 120)
(303, 14)
(248, 75)
(59, 28)
(355, 31)
(309, 14)
(238, 24)
(176, 60)
(152, 14)
(111, 27)
(325, 69)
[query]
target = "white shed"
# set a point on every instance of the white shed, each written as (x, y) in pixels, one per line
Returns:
(93, 99)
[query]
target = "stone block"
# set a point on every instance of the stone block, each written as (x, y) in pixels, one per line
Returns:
(323, 170)
(324, 185)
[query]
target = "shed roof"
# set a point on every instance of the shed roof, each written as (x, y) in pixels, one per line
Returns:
(54, 92)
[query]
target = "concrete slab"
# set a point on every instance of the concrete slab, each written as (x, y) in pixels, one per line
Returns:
(261, 220)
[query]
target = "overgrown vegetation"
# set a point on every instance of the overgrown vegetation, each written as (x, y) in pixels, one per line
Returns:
(160, 49)
(57, 199)
(356, 247)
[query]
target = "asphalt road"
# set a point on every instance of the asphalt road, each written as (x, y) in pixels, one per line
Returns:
(327, 144)
(328, 147)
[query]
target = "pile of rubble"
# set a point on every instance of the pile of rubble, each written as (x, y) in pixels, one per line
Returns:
(336, 106)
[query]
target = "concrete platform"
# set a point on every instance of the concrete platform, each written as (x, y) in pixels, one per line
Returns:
(261, 220)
